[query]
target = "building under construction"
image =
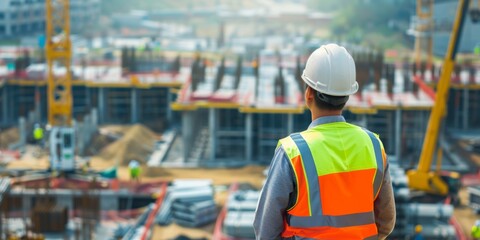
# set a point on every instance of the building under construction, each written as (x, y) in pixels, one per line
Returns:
(231, 111)
(215, 114)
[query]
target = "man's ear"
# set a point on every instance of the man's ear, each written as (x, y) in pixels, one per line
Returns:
(309, 97)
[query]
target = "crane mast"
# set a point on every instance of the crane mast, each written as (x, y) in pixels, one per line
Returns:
(423, 31)
(58, 53)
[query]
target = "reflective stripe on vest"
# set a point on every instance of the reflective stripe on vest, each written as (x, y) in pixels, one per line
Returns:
(308, 211)
(377, 182)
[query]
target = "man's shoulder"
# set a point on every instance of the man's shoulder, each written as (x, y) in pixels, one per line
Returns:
(287, 145)
(359, 128)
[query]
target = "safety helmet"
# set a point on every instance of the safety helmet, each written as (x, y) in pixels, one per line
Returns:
(331, 70)
(418, 228)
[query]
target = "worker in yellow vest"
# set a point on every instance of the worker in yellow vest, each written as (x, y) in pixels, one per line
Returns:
(475, 232)
(134, 167)
(418, 233)
(330, 181)
(38, 134)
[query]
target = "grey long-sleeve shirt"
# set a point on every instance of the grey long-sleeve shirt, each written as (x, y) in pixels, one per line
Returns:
(279, 194)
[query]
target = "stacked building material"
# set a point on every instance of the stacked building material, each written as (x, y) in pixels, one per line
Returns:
(402, 197)
(434, 218)
(188, 203)
(474, 198)
(190, 213)
(241, 212)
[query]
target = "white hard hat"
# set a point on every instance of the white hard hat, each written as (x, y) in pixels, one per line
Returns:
(331, 70)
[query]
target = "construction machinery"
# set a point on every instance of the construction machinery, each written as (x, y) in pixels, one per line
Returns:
(58, 52)
(422, 30)
(424, 178)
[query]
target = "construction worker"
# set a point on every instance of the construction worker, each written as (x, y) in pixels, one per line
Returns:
(477, 49)
(134, 168)
(330, 181)
(476, 230)
(418, 233)
(38, 134)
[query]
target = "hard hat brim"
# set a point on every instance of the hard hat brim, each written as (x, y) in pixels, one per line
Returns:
(317, 86)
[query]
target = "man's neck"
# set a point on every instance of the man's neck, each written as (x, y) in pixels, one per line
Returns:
(324, 113)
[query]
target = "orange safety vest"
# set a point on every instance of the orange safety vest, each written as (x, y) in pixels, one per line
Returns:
(339, 170)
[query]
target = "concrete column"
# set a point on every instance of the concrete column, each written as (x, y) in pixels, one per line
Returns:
(187, 133)
(465, 108)
(169, 109)
(5, 115)
(26, 204)
(391, 132)
(101, 105)
(22, 126)
(456, 113)
(248, 137)
(290, 124)
(38, 105)
(94, 115)
(134, 106)
(398, 134)
(212, 121)
(88, 97)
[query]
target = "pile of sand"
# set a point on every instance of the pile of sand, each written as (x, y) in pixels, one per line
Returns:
(8, 137)
(98, 142)
(137, 143)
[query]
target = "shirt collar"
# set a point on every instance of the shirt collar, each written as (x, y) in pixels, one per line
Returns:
(327, 119)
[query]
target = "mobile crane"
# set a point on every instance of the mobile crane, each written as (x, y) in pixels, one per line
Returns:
(423, 178)
(58, 51)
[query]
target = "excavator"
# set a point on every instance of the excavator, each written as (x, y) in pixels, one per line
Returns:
(423, 178)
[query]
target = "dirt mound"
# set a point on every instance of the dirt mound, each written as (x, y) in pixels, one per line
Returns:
(8, 136)
(137, 143)
(98, 142)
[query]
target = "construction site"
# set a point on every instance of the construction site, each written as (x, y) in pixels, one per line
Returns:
(199, 119)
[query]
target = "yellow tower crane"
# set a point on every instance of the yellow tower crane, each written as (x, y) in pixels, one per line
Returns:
(423, 31)
(58, 52)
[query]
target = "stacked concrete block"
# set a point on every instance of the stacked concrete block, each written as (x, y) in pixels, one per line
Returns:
(240, 215)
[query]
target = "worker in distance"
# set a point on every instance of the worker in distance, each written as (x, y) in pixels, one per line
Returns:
(332, 180)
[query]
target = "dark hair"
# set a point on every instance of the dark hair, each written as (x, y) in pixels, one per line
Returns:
(322, 104)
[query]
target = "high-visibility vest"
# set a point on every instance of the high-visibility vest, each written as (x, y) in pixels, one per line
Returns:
(339, 170)
(475, 232)
(38, 133)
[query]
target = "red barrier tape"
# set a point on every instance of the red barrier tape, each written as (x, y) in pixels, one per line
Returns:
(218, 234)
(151, 216)
(458, 229)
(428, 90)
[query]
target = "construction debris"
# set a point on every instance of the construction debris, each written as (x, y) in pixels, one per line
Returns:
(8, 136)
